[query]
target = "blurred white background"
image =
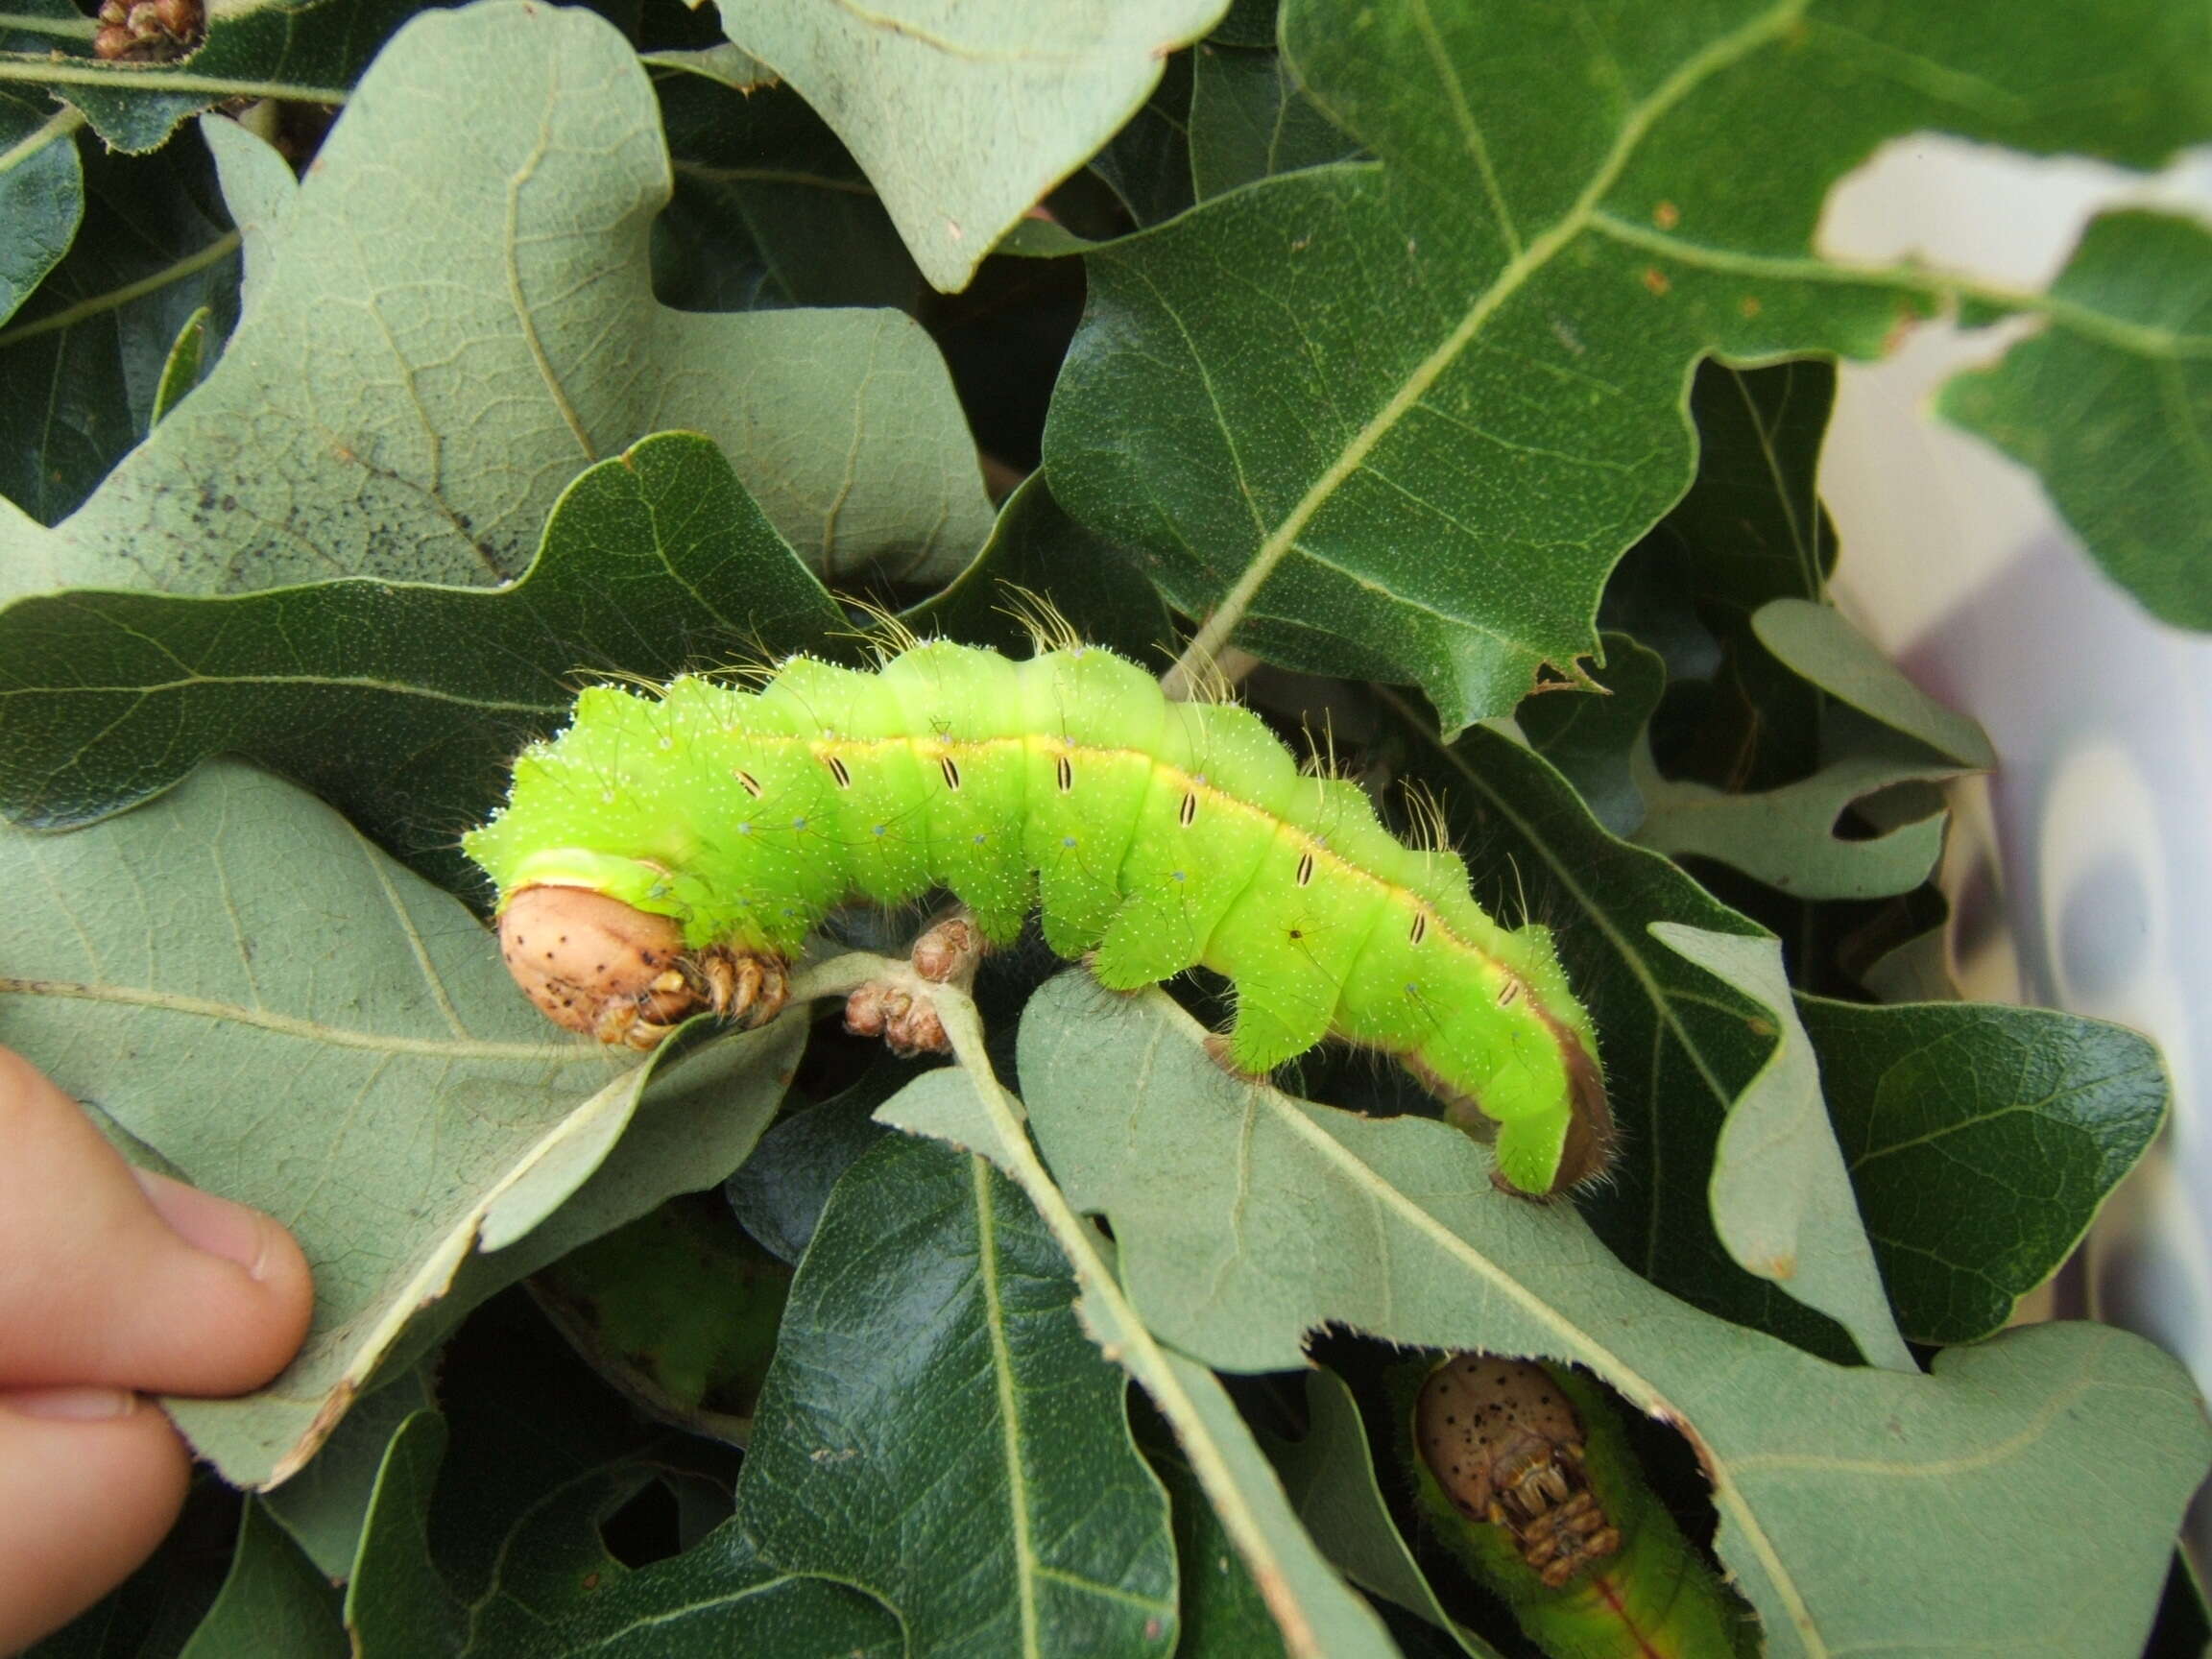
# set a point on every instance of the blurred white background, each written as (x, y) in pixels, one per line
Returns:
(2083, 869)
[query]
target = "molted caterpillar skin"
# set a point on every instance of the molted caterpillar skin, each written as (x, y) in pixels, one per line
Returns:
(1158, 835)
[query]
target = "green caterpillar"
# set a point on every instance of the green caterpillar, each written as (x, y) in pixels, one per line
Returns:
(1521, 1471)
(1158, 835)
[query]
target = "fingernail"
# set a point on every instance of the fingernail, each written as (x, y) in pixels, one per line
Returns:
(206, 1222)
(71, 1404)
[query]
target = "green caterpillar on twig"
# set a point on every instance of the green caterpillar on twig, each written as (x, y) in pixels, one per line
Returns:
(672, 849)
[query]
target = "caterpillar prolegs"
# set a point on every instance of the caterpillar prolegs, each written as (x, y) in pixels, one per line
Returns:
(719, 824)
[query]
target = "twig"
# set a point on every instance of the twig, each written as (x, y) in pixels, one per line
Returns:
(1114, 1324)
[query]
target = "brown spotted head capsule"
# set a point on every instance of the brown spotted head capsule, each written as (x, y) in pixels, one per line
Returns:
(598, 966)
(1508, 1450)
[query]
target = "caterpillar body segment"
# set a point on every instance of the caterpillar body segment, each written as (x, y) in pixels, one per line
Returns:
(1155, 835)
(1523, 1473)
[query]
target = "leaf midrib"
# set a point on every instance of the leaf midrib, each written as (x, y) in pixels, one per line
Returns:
(1727, 1495)
(1009, 1404)
(304, 1030)
(1691, 72)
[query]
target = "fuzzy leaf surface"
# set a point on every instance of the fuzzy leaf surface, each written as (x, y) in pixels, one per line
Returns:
(400, 704)
(1281, 1217)
(1398, 422)
(406, 1101)
(1786, 836)
(1820, 643)
(965, 115)
(452, 316)
(1680, 1045)
(1782, 1201)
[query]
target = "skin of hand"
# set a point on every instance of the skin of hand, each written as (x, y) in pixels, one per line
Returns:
(114, 1282)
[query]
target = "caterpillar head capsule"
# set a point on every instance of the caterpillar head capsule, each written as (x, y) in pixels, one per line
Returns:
(611, 971)
(1507, 1448)
(596, 965)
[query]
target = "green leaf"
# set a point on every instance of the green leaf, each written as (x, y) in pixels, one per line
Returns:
(394, 1586)
(779, 1193)
(1678, 1045)
(1886, 735)
(934, 1400)
(1250, 120)
(565, 1595)
(400, 704)
(1331, 1476)
(1752, 521)
(1878, 751)
(677, 1310)
(1786, 836)
(1224, 1616)
(1398, 422)
(1750, 530)
(83, 358)
(1982, 1141)
(42, 193)
(324, 1506)
(1334, 1621)
(274, 1602)
(300, 51)
(467, 276)
(1887, 741)
(1231, 1206)
(769, 209)
(1036, 549)
(1318, 1617)
(1147, 163)
(739, 71)
(903, 84)
(412, 1107)
(1593, 740)
(492, 1532)
(2108, 401)
(1246, 23)
(186, 362)
(1782, 1201)
(702, 1112)
(1817, 643)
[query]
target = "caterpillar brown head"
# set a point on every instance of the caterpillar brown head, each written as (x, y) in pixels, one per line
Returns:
(594, 963)
(1506, 1448)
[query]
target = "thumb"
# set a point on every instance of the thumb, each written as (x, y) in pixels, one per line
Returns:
(126, 1278)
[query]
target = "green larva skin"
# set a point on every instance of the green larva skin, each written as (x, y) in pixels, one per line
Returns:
(1651, 1597)
(1158, 835)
